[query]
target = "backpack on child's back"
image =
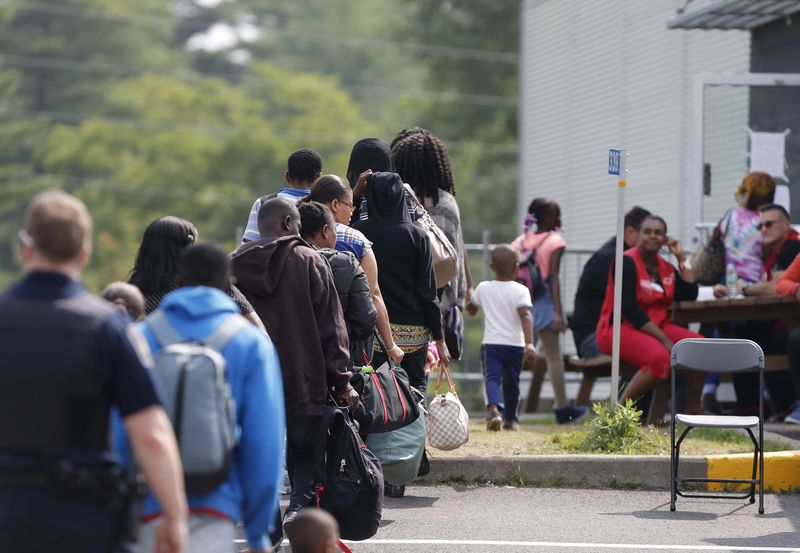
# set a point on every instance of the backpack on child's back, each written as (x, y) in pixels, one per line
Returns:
(530, 274)
(197, 399)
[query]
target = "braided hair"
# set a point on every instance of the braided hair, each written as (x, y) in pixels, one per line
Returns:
(422, 161)
(405, 133)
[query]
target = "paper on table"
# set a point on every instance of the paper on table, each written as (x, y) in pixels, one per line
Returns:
(705, 293)
(768, 152)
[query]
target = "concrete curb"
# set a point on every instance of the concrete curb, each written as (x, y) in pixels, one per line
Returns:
(781, 470)
(589, 471)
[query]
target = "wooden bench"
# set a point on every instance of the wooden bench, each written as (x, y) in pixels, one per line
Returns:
(593, 369)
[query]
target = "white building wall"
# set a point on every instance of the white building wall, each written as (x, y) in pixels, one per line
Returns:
(607, 74)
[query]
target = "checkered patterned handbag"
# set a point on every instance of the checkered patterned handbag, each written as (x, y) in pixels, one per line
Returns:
(448, 421)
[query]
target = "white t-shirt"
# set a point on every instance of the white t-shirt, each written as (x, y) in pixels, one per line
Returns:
(500, 301)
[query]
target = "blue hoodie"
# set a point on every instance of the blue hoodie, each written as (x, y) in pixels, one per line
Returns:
(251, 492)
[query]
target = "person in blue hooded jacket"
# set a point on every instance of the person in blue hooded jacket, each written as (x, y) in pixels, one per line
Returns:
(251, 493)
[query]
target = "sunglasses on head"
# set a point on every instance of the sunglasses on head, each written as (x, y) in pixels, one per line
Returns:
(767, 224)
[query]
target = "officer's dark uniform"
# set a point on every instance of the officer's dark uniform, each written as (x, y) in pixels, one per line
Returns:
(65, 361)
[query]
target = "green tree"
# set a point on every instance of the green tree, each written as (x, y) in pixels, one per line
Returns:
(72, 51)
(486, 66)
(202, 151)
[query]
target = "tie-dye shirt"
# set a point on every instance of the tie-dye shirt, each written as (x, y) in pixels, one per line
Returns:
(743, 243)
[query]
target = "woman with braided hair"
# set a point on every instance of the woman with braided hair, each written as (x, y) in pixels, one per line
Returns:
(421, 159)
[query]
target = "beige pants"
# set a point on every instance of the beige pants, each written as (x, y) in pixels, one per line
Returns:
(207, 534)
(549, 340)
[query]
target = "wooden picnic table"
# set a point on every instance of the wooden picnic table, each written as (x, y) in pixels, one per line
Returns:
(736, 309)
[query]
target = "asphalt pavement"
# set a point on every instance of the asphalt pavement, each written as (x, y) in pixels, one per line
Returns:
(445, 519)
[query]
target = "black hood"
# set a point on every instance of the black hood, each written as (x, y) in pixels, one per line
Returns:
(369, 153)
(386, 198)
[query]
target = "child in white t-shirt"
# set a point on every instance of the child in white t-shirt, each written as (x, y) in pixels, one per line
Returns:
(507, 336)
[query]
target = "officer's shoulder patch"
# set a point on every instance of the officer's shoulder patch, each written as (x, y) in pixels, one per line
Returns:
(140, 345)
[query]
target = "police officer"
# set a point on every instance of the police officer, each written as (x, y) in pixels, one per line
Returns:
(66, 361)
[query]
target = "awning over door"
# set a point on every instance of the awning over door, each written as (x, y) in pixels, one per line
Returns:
(732, 14)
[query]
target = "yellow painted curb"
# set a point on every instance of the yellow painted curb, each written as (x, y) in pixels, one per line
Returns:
(781, 469)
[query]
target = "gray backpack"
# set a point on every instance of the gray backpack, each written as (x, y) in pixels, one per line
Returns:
(198, 400)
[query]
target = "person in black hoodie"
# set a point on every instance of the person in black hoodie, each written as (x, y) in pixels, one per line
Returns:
(406, 278)
(318, 228)
(291, 288)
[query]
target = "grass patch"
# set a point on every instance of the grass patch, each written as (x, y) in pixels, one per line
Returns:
(547, 438)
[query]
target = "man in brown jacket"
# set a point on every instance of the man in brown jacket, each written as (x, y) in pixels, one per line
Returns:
(292, 290)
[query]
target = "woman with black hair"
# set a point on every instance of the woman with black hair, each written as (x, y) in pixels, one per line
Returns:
(423, 163)
(318, 228)
(649, 286)
(156, 266)
(547, 245)
(333, 192)
(406, 278)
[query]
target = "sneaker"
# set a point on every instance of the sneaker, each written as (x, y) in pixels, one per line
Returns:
(513, 426)
(570, 414)
(390, 490)
(494, 420)
(288, 521)
(794, 414)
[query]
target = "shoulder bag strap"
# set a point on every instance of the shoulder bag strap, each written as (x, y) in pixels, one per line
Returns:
(162, 330)
(722, 233)
(392, 364)
(225, 332)
(444, 371)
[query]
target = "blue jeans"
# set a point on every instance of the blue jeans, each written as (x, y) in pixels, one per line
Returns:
(501, 366)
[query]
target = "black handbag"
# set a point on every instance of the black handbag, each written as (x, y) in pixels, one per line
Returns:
(386, 400)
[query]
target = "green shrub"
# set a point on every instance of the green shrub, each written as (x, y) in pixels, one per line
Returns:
(619, 431)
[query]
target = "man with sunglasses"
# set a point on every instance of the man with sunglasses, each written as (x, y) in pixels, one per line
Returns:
(781, 245)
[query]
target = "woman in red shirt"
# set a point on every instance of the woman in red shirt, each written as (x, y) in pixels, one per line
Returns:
(649, 286)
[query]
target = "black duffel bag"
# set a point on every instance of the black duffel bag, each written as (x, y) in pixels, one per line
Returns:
(386, 400)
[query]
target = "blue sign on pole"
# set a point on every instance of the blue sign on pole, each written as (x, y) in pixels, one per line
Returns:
(614, 162)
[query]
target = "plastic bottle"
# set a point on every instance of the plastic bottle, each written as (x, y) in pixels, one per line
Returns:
(731, 280)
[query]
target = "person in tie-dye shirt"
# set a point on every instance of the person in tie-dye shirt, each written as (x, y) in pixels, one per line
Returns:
(739, 232)
(743, 244)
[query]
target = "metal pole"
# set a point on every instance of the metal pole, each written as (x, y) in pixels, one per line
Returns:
(618, 278)
(486, 237)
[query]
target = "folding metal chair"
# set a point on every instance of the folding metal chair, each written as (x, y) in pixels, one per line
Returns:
(718, 355)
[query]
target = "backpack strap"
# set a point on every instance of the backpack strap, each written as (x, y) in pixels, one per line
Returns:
(225, 332)
(162, 330)
(263, 199)
(330, 419)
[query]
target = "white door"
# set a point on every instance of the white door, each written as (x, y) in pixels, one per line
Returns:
(726, 108)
